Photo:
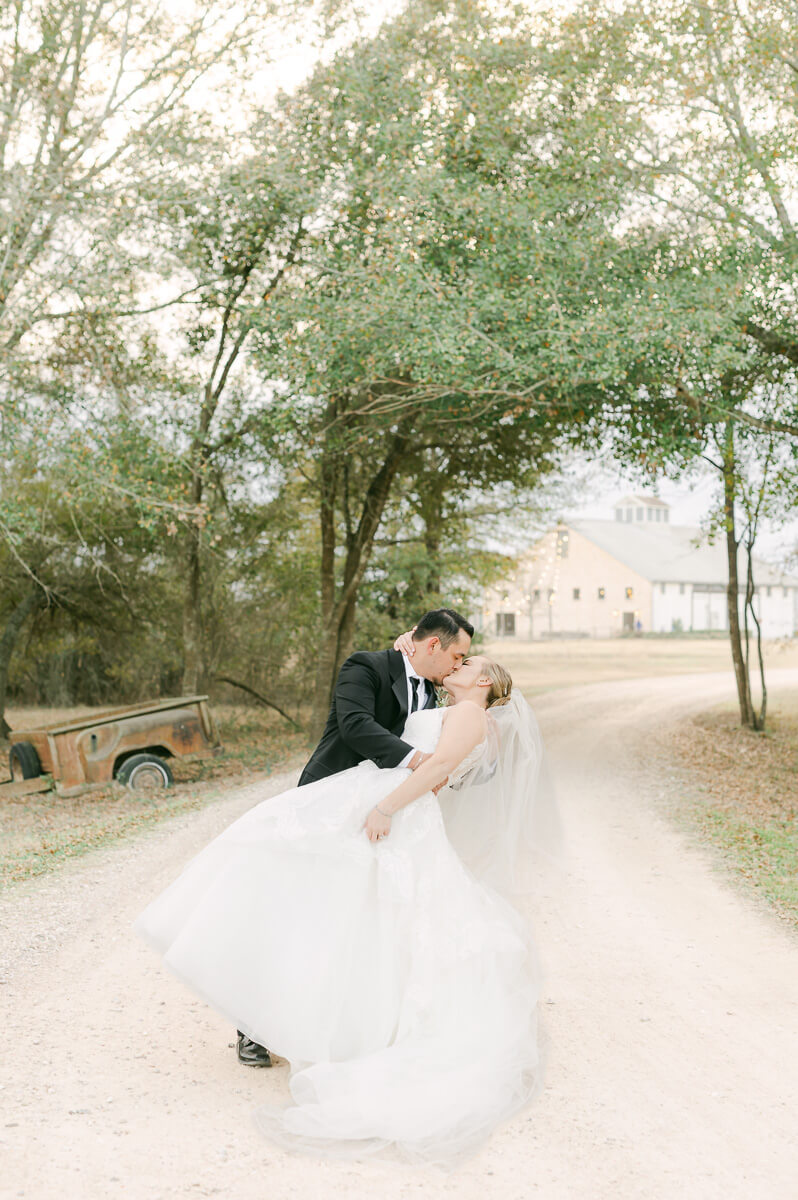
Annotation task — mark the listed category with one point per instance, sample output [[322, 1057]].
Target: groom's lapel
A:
[[396, 667], [432, 696]]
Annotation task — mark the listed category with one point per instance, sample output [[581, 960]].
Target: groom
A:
[[375, 692], [373, 695]]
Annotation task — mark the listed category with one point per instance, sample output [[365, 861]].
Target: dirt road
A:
[[671, 1011]]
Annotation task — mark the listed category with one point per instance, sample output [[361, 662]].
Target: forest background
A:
[[276, 378]]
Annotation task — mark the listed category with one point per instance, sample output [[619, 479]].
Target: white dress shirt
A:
[[422, 698]]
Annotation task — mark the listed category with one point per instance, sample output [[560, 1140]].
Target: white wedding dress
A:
[[401, 989]]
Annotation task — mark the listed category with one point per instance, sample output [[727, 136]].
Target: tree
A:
[[97, 118], [233, 236], [75, 542], [759, 474], [701, 101], [121, 200], [78, 144], [446, 264]]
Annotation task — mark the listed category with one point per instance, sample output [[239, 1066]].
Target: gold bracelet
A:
[[385, 814]]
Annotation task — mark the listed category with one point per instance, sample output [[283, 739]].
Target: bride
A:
[[355, 926]]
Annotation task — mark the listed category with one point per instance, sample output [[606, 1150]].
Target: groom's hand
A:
[[418, 758]]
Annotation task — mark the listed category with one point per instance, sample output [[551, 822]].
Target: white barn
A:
[[636, 573]]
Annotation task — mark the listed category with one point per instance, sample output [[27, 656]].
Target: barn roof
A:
[[640, 498], [665, 553]]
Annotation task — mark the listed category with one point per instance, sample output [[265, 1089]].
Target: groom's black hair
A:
[[443, 623]]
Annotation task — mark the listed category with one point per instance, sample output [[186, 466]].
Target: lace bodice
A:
[[423, 730]]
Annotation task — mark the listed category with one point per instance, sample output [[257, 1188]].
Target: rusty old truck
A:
[[132, 745]]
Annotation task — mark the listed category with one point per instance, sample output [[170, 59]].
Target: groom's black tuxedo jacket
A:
[[368, 712]]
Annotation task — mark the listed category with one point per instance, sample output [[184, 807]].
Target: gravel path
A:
[[671, 1010]]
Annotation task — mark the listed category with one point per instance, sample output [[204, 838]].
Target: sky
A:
[[690, 504]]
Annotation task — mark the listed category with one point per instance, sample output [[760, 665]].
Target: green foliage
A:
[[263, 387]]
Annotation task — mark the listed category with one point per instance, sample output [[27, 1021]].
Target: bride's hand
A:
[[405, 644], [377, 825]]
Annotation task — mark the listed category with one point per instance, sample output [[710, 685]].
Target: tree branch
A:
[[261, 699], [737, 414], [774, 343]]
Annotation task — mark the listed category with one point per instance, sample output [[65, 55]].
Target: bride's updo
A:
[[501, 684]]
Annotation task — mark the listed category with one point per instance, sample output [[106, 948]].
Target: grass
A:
[[541, 666], [40, 832], [744, 789], [766, 857]]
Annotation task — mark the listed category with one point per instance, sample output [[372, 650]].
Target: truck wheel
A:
[[145, 772], [24, 761]]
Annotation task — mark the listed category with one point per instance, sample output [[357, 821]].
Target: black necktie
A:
[[414, 683]]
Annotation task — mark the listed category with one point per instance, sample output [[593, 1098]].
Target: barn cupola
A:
[[641, 510]]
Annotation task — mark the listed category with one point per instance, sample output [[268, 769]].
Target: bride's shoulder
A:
[[466, 712]]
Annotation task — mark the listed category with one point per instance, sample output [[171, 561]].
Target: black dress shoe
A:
[[250, 1053]]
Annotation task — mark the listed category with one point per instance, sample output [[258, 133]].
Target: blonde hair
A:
[[501, 683]]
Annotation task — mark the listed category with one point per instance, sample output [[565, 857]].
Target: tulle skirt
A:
[[401, 990]]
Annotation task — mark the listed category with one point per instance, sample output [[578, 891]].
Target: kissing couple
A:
[[360, 926]]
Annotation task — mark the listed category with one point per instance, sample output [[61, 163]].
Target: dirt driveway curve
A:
[[671, 1009]]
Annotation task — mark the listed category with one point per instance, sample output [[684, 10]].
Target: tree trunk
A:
[[432, 516], [346, 632], [192, 620], [327, 653], [192, 617], [339, 617], [31, 601], [431, 491], [758, 718], [733, 586]]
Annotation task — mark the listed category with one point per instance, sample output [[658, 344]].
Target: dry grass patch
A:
[[568, 662], [746, 789], [39, 832]]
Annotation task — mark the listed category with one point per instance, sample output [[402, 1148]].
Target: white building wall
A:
[[671, 606], [539, 601], [708, 609], [777, 608], [592, 571], [698, 608], [542, 601]]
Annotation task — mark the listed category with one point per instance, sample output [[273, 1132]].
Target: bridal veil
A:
[[503, 815]]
